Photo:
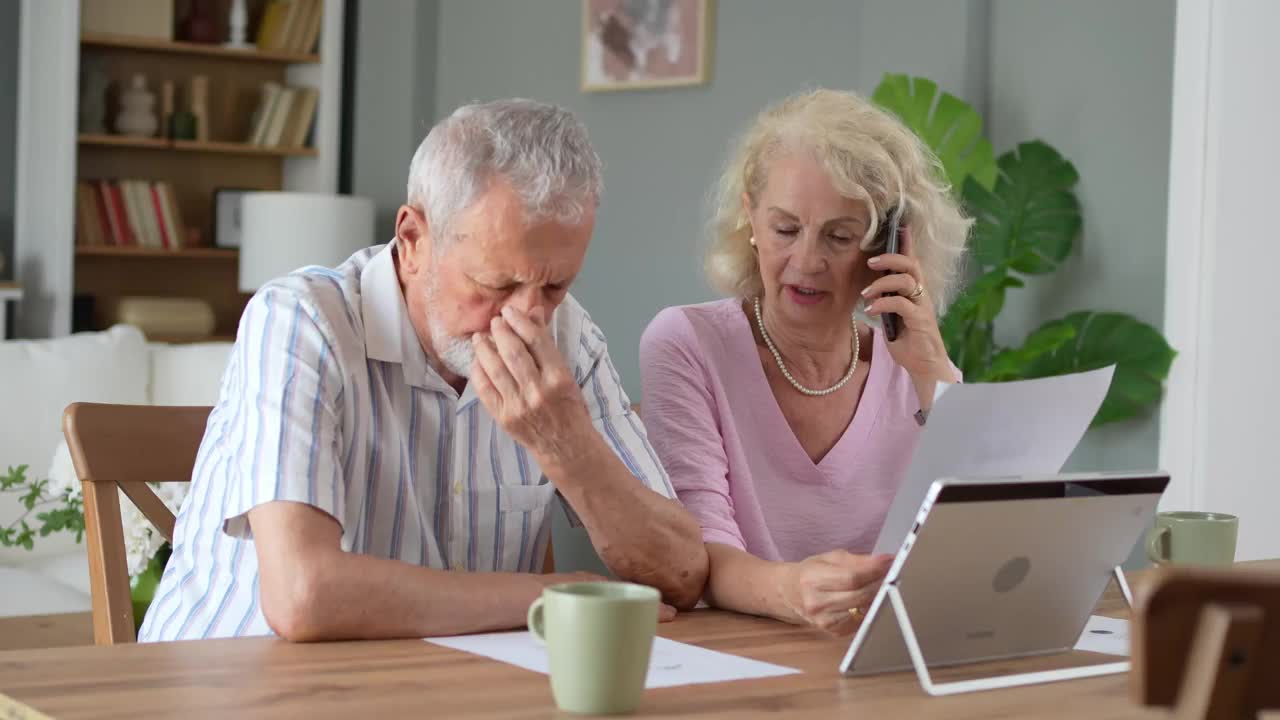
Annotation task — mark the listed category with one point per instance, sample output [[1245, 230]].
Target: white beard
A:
[[456, 354]]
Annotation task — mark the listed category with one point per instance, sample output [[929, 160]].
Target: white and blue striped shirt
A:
[[329, 400]]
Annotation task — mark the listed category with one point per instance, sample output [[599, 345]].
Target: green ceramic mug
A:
[[1193, 538], [598, 637]]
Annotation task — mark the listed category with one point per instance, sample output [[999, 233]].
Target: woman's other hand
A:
[[822, 590]]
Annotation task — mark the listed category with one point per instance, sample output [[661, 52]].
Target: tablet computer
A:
[[1004, 567]]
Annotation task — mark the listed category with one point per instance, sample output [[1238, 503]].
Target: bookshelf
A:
[[229, 254], [208, 146], [49, 204], [149, 45]]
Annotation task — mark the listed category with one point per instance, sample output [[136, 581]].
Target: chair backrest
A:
[[1206, 641], [126, 447]]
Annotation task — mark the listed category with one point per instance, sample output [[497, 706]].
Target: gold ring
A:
[[917, 292], [855, 611]]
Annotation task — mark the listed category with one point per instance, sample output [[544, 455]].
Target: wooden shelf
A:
[[242, 149], [151, 45], [203, 253], [124, 141], [210, 146]]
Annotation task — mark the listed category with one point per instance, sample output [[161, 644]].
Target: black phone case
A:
[[890, 232]]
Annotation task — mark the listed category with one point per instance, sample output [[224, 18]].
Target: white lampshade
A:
[[283, 231]]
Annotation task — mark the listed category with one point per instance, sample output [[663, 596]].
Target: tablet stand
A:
[[1004, 681]]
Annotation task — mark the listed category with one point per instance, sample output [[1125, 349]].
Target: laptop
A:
[[1003, 568]]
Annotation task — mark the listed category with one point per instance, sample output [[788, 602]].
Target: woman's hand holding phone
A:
[[917, 343]]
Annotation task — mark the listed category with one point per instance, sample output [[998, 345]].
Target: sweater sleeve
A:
[[680, 414]]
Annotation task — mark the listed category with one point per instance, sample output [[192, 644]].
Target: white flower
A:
[[141, 539]]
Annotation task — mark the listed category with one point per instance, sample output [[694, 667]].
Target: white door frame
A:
[[45, 172], [1189, 259]]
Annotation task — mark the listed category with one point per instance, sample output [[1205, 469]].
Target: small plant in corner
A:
[[54, 510]]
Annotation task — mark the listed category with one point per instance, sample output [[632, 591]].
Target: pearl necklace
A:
[[777, 357]]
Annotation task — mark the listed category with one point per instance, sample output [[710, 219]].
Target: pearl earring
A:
[[752, 241]]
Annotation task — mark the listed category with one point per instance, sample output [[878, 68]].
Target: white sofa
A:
[[38, 379]]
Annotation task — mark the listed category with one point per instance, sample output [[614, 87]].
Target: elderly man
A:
[[392, 434]]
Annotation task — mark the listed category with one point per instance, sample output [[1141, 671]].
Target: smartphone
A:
[[888, 240]]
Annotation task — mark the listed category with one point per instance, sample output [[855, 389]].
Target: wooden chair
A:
[[126, 447], [1206, 642]]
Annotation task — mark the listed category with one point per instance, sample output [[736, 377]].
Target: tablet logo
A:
[[1011, 574]]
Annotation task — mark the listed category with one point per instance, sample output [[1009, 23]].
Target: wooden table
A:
[[262, 677], [29, 632]]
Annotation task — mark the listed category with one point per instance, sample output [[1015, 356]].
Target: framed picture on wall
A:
[[635, 44]]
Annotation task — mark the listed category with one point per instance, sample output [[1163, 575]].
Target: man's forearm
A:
[[640, 535], [338, 595]]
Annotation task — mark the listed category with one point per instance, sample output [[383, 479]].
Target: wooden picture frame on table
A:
[[646, 44]]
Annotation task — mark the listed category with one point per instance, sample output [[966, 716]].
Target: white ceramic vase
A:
[[137, 110]]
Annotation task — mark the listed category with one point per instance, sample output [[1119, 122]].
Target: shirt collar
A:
[[388, 334]]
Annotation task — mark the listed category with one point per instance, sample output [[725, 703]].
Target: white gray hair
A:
[[870, 156], [541, 149]]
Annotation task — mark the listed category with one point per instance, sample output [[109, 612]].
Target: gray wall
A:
[[9, 12], [1093, 78], [394, 96]]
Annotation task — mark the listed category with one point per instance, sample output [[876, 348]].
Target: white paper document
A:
[[1027, 427], [1109, 636], [671, 663]]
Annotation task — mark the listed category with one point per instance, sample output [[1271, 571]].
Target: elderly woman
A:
[[786, 424]]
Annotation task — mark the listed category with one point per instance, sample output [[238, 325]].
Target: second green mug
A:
[[1193, 538]]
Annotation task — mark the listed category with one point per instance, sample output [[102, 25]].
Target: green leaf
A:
[[26, 537], [67, 513], [31, 496], [1013, 363], [951, 128], [1029, 221], [983, 299], [1140, 354], [67, 518], [954, 327], [969, 345], [971, 348], [14, 477]]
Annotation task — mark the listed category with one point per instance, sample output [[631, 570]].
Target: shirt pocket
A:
[[525, 498]]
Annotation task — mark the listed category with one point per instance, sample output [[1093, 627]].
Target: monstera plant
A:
[[1027, 219]]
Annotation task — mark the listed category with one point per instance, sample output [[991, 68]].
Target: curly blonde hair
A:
[[870, 156]]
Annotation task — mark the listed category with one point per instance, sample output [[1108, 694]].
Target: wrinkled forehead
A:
[[523, 251], [800, 185]]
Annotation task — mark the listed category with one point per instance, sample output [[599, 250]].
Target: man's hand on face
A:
[[527, 386]]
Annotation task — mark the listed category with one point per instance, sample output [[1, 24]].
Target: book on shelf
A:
[[278, 117], [298, 129], [267, 97], [290, 25], [128, 213], [284, 116]]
